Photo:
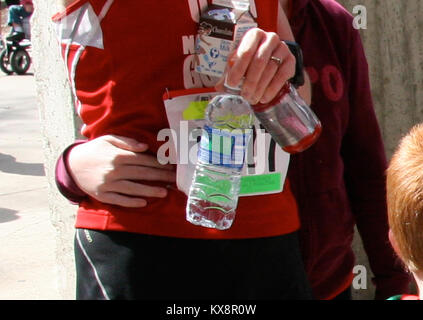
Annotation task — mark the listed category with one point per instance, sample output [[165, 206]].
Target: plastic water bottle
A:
[[213, 196], [289, 120]]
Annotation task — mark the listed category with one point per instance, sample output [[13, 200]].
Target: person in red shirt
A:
[[132, 239], [338, 183]]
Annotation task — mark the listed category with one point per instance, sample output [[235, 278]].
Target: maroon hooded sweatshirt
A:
[[340, 181]]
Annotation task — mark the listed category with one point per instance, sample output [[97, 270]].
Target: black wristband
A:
[[298, 79]]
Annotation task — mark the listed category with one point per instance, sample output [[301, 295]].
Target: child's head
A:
[[405, 199]]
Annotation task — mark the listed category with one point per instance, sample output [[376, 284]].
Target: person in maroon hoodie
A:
[[340, 181]]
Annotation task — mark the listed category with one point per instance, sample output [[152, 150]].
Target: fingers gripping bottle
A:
[[289, 120], [213, 196]]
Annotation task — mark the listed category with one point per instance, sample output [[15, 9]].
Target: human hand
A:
[[251, 61], [108, 169]]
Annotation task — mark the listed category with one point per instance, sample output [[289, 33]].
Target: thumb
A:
[[126, 143]]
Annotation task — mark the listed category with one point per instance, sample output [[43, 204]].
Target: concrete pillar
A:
[[59, 130], [395, 55]]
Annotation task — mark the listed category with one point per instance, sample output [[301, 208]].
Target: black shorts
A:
[[120, 265]]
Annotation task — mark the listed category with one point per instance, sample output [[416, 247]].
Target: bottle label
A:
[[223, 147]]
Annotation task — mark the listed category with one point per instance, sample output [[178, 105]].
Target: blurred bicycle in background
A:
[[14, 56], [16, 47]]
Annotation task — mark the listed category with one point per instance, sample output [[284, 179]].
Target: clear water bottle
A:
[[289, 120], [213, 195]]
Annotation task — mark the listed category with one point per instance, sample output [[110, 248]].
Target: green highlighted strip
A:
[[261, 183]]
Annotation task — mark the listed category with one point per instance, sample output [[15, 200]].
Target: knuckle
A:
[[121, 158], [285, 46], [117, 158], [286, 50], [273, 37], [254, 31], [261, 60], [101, 189], [246, 53], [290, 57], [110, 172]]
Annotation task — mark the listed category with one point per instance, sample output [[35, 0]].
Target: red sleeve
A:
[[64, 181], [365, 167]]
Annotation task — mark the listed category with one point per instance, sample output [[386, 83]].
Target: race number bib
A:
[[266, 164]]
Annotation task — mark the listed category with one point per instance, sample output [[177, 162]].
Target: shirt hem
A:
[[342, 288], [182, 229]]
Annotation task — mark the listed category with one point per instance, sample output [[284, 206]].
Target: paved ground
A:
[[27, 244]]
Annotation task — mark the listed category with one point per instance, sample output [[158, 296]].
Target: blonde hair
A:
[[405, 198]]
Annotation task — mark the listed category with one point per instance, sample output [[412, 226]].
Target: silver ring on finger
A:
[[277, 60]]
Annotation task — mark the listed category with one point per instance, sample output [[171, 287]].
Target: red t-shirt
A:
[[119, 70]]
